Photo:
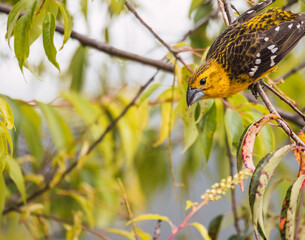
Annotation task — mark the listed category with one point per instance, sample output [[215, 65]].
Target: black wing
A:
[[258, 52], [251, 12]]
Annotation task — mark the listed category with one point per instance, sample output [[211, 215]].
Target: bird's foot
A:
[[252, 88]]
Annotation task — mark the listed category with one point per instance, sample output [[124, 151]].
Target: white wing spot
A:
[[250, 11], [260, 3], [266, 39], [273, 57], [290, 26], [274, 50], [277, 28], [254, 68], [258, 54], [271, 47], [302, 22], [272, 64], [251, 74], [258, 61], [298, 26]]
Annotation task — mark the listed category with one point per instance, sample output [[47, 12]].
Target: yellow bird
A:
[[245, 51]]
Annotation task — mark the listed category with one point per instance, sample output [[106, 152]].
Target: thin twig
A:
[[228, 10], [157, 230], [284, 99], [128, 208], [62, 221], [258, 88], [292, 71], [233, 196], [169, 48], [199, 24], [104, 47]]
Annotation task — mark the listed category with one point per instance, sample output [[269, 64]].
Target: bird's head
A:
[[209, 81]]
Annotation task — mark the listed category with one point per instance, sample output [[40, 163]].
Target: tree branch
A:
[[103, 47], [169, 48], [258, 88], [285, 100]]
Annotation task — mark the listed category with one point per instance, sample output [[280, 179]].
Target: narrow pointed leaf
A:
[[245, 147], [234, 126], [259, 182], [13, 17], [16, 175], [48, 30], [287, 222], [202, 230], [22, 41], [214, 226], [67, 22]]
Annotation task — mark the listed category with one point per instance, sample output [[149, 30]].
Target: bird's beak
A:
[[193, 95]]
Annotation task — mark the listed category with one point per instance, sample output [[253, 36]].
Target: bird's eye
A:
[[202, 81]]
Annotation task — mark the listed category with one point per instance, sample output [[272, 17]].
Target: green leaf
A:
[[214, 226], [287, 223], [234, 127], [3, 149], [48, 30], [13, 17], [151, 217], [207, 128], [84, 7], [151, 89], [2, 195], [259, 181], [15, 174], [30, 9], [202, 230], [86, 206], [67, 22], [22, 40], [77, 68], [6, 113], [59, 129], [125, 234], [31, 128]]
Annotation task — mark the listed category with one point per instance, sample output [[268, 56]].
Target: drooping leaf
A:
[[86, 206], [22, 40], [214, 226], [59, 129], [202, 230], [287, 222], [6, 114], [151, 89], [67, 22], [13, 17], [48, 30], [125, 234], [245, 146], [3, 149], [207, 128], [259, 182], [31, 128], [234, 126], [16, 175], [151, 217], [2, 195], [77, 69]]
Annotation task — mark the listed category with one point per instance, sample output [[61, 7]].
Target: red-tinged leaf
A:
[[258, 185], [287, 221], [245, 147]]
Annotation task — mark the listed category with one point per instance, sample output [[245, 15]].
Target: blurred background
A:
[[92, 88]]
